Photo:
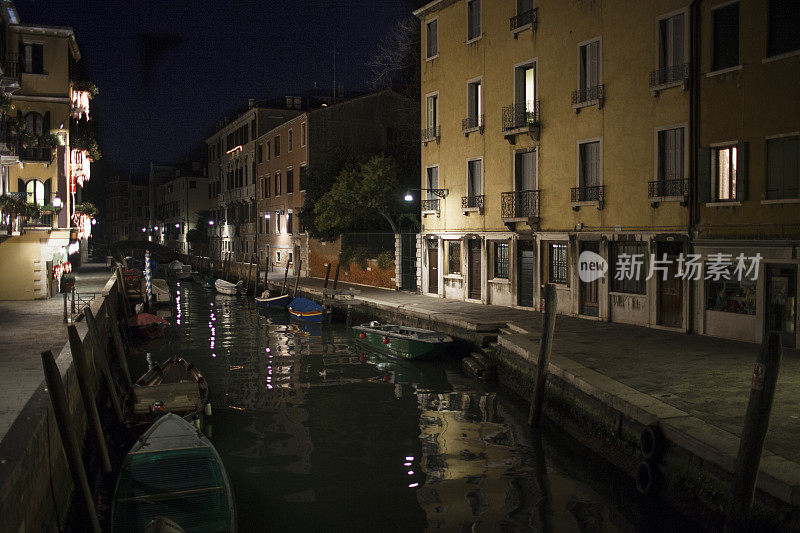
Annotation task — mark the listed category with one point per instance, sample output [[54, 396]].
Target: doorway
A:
[[782, 302], [670, 291], [590, 292], [474, 262], [433, 266], [526, 266]]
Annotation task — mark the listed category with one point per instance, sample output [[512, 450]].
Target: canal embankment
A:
[[609, 384], [35, 483]]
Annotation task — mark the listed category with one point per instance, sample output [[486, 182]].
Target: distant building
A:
[[178, 201], [116, 212]]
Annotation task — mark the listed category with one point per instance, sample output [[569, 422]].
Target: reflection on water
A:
[[317, 434]]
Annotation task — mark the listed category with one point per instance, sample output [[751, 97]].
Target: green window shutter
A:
[[791, 168], [47, 190], [46, 124], [742, 163], [703, 174], [774, 169]]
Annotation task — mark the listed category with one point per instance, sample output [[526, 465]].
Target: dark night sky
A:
[[167, 70]]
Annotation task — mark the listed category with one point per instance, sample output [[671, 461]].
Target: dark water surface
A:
[[318, 435]]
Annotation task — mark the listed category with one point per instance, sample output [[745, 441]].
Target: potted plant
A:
[[67, 282]]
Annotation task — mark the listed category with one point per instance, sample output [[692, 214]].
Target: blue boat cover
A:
[[304, 306]]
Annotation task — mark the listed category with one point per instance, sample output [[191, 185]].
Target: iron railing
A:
[[472, 123], [11, 66], [430, 205], [523, 19], [472, 202], [595, 193], [671, 187], [671, 74], [39, 153], [521, 115], [596, 93], [430, 134], [520, 204]]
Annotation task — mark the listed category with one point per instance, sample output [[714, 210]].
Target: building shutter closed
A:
[[703, 175], [741, 171]]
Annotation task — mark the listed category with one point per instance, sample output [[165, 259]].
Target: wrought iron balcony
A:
[[430, 134], [472, 123], [11, 67], [40, 154], [667, 75], [520, 204], [523, 19], [430, 205], [668, 188], [521, 116], [472, 202], [586, 195], [589, 96]]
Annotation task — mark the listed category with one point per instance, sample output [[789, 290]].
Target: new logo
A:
[[591, 266]]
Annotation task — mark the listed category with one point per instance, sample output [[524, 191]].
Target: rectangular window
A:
[[32, 58], [289, 223], [671, 51], [724, 163], [523, 6], [454, 257], [725, 39], [303, 133], [631, 253], [474, 177], [558, 262], [432, 111], [473, 19], [303, 177], [431, 182], [732, 295], [525, 171], [782, 167], [432, 38], [589, 164], [277, 222], [289, 181], [277, 145], [671, 154], [267, 187], [589, 65], [525, 86], [267, 150], [277, 184], [260, 152], [474, 104], [290, 140], [784, 21], [192, 184], [501, 260]]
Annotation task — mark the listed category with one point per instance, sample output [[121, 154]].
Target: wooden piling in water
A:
[[545, 346], [55, 387], [336, 277], [249, 275], [297, 278], [119, 346], [285, 275], [85, 385], [756, 423], [327, 275], [100, 359]]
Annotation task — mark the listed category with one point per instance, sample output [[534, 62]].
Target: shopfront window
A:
[[732, 296]]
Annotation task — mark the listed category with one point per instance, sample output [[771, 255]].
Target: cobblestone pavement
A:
[[28, 328]]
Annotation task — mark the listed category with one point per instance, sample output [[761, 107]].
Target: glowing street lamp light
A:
[[408, 198], [177, 225], [210, 222]]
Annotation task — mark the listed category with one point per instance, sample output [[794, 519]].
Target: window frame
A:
[[479, 101], [480, 21], [277, 146], [657, 149], [524, 65], [500, 263], [470, 160], [578, 145], [781, 137], [553, 267], [429, 57], [289, 180], [438, 106], [770, 54], [450, 257], [519, 152], [303, 134], [622, 286], [712, 51], [428, 194], [715, 149], [599, 41], [289, 140], [665, 16]]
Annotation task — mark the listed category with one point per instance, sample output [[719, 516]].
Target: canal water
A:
[[318, 434]]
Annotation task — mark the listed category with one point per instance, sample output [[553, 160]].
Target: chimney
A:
[[251, 103]]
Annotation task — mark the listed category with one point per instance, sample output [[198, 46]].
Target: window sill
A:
[[453, 276], [587, 103], [723, 71], [778, 57], [519, 30], [660, 199], [781, 201], [468, 210], [431, 58], [723, 204], [500, 281], [431, 212], [467, 131], [474, 40], [656, 89], [632, 294], [577, 205]]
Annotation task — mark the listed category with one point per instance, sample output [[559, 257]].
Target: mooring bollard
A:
[[285, 276], [249, 274], [756, 423], [327, 275], [85, 384], [100, 359], [336, 277], [297, 278], [548, 328], [55, 387]]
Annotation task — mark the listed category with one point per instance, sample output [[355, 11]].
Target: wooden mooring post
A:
[[55, 387], [756, 423], [101, 360], [285, 276], [85, 384], [336, 277], [327, 275], [250, 275], [545, 346], [297, 278]]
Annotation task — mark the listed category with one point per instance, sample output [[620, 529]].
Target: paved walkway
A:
[[706, 377], [28, 328]]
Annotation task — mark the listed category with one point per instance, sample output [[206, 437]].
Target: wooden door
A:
[[590, 292], [433, 267], [526, 261], [670, 291], [474, 260]]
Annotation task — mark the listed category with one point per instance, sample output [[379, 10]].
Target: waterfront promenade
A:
[[27, 328]]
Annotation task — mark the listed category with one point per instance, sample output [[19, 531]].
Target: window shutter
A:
[[46, 123], [741, 171], [21, 185], [775, 176], [47, 191], [703, 175], [790, 167], [677, 40]]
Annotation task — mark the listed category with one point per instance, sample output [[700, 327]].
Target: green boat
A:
[[402, 342], [173, 471]]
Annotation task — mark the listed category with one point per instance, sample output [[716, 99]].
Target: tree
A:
[[198, 236]]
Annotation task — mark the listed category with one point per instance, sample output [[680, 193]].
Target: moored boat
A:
[[401, 341], [226, 287], [147, 326], [209, 282], [305, 309], [273, 302], [173, 471], [160, 291]]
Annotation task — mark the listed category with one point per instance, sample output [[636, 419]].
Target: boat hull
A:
[[225, 287], [276, 302], [398, 347], [306, 310]]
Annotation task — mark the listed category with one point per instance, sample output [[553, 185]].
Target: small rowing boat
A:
[[306, 309], [226, 287], [174, 471], [401, 341], [273, 302], [147, 326]]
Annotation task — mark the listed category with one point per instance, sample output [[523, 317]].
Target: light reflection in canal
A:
[[317, 434]]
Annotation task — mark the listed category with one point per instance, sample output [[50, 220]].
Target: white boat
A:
[[226, 287], [173, 470], [160, 291], [179, 270]]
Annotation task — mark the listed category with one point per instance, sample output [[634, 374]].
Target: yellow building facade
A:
[[548, 130]]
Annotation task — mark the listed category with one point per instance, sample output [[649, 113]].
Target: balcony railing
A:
[[41, 154], [595, 193], [523, 19], [430, 134], [11, 66], [430, 205], [520, 204], [589, 96], [666, 75], [472, 123], [523, 115], [667, 188], [472, 202]]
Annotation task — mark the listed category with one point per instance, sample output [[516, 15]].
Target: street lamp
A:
[[210, 222], [441, 193]]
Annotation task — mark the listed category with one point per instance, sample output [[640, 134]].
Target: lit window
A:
[[724, 170]]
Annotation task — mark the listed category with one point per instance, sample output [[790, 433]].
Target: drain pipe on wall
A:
[[694, 143]]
